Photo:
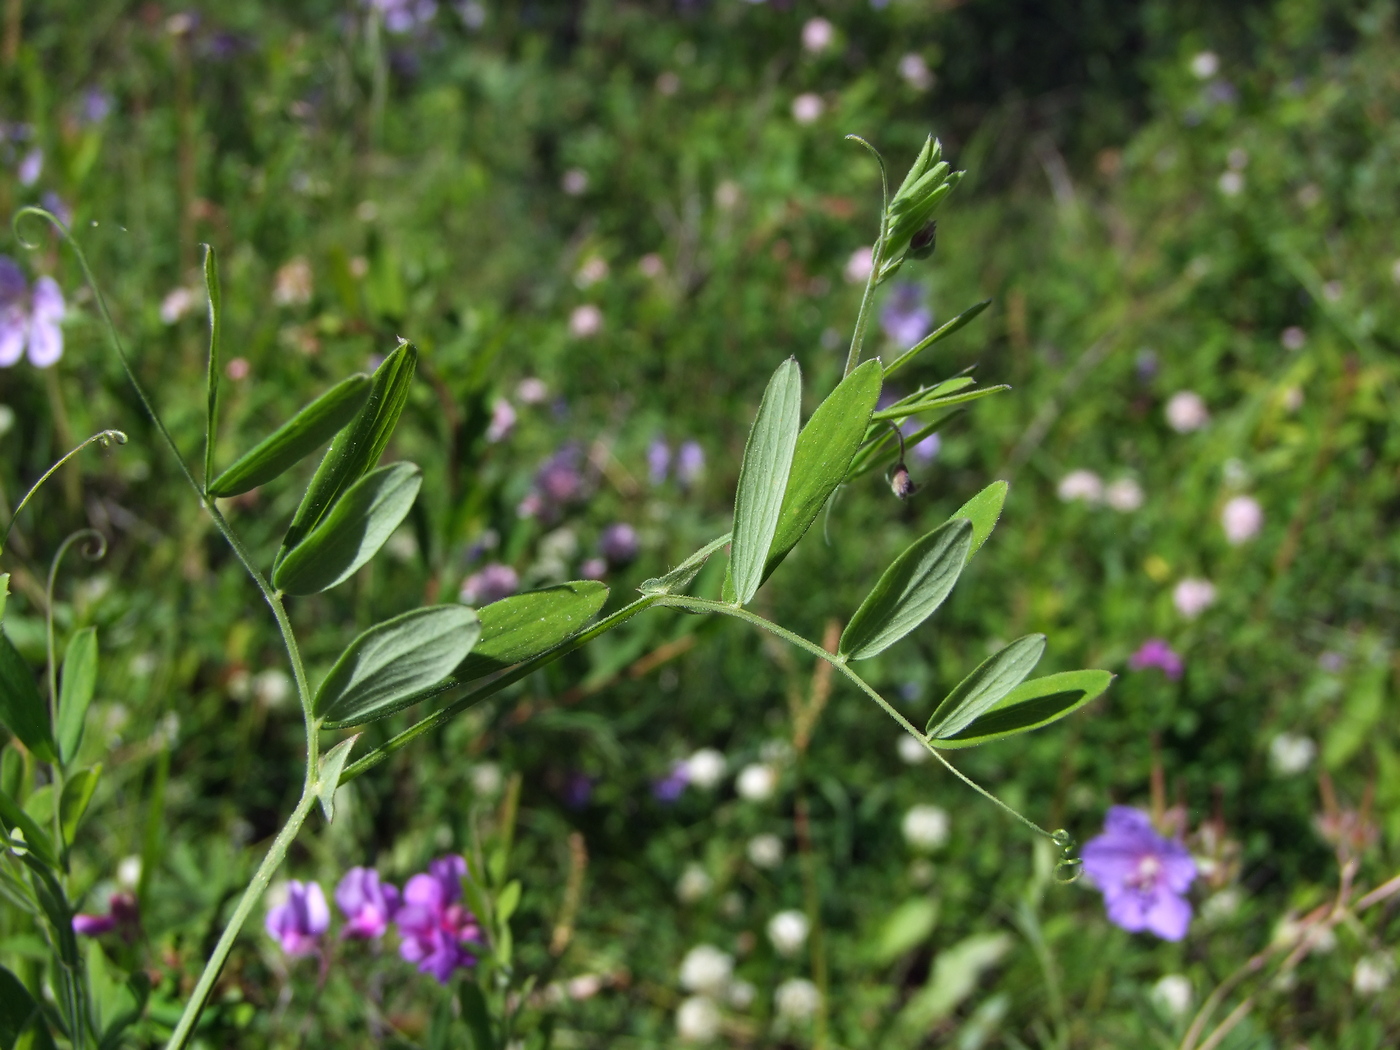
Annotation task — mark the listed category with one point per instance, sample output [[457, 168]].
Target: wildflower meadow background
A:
[[603, 225]]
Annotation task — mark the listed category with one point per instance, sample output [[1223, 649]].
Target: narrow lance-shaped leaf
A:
[[1031, 705], [392, 661], [13, 816], [823, 455], [211, 418], [679, 578], [77, 793], [763, 478], [520, 627], [909, 591], [936, 336], [295, 439], [75, 690], [989, 683], [358, 447], [21, 1018], [21, 707], [360, 523], [984, 511]]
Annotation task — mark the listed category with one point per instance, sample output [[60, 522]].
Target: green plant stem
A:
[[276, 853], [101, 438], [704, 605], [876, 261]]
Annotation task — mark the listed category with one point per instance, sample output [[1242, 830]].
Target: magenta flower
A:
[[368, 903], [121, 915], [26, 319], [434, 928], [299, 922], [1156, 653], [1143, 876]]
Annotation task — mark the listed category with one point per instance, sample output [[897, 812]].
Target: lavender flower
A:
[[558, 481], [436, 929], [121, 915], [593, 569], [31, 167], [690, 463], [368, 903], [402, 16], [97, 104], [658, 461], [1156, 653], [1143, 876], [618, 543], [26, 319], [502, 421], [673, 784], [904, 318], [578, 790], [52, 202], [298, 923], [494, 582]]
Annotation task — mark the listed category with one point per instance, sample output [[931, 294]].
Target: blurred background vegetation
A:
[[644, 207]]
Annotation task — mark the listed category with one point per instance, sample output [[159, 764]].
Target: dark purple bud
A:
[[921, 245]]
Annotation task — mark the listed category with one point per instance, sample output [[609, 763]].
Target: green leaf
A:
[[476, 1015], [914, 408], [295, 439], [35, 837], [984, 511], [507, 902], [211, 418], [352, 533], [520, 627], [909, 591], [4, 592], [679, 578], [328, 775], [983, 688], [936, 336], [1031, 705], [21, 707], [358, 447], [823, 455], [21, 1018], [904, 929], [75, 691], [392, 661], [763, 478], [77, 793]]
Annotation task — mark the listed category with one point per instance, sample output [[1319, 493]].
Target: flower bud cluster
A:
[[910, 226]]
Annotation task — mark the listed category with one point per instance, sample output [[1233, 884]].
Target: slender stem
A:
[[275, 855], [704, 605], [101, 438], [877, 259]]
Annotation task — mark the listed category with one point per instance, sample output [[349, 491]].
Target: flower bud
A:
[[900, 482]]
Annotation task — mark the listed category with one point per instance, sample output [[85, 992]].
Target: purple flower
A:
[[1156, 653], [299, 922], [52, 202], [618, 543], [401, 16], [494, 582], [593, 569], [1142, 875], [121, 915], [97, 104], [27, 319], [31, 167], [673, 784], [368, 903], [904, 318], [435, 928], [658, 461], [502, 420], [690, 463], [578, 790]]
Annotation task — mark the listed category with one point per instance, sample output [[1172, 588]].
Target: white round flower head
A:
[[584, 986], [925, 827], [129, 872], [272, 687], [1172, 994], [1186, 411], [741, 995], [1231, 183], [651, 265], [486, 779], [858, 266], [1293, 338], [1205, 64], [1124, 495], [1332, 291], [706, 969], [911, 752], [1373, 974], [728, 194], [1241, 518], [574, 182], [807, 108], [757, 782], [817, 35], [1193, 596], [532, 391], [914, 71], [698, 1020], [705, 768], [788, 931], [1080, 486], [797, 999], [594, 269], [585, 321], [765, 851], [694, 884], [1291, 753]]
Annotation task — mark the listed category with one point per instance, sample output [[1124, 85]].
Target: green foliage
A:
[[523, 626], [77, 685]]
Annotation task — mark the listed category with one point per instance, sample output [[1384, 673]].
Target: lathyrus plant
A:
[[458, 657]]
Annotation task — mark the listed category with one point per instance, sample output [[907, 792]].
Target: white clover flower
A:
[[765, 851], [272, 687], [859, 265], [1080, 486], [1291, 753], [1186, 411], [585, 321], [1241, 518], [1172, 994], [1193, 596], [705, 768], [911, 752], [788, 931], [925, 827], [914, 71], [698, 1020], [574, 182], [757, 782], [531, 391], [694, 884], [486, 779], [706, 969], [1293, 338], [584, 986], [1124, 495], [1205, 64], [129, 872], [1231, 183], [807, 108], [741, 995], [817, 35], [176, 304], [797, 999], [1373, 974]]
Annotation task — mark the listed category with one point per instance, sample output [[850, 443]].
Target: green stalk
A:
[[877, 258]]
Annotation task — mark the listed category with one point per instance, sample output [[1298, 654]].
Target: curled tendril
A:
[[105, 438], [1069, 867]]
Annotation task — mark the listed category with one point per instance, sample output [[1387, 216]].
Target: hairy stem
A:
[[877, 258]]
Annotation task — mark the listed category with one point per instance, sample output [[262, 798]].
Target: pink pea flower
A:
[[1143, 876], [434, 928], [299, 922], [121, 915], [368, 903], [27, 319], [1156, 653]]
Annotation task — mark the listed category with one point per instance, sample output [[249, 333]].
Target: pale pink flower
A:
[[1241, 518], [1080, 486], [817, 35], [585, 321], [858, 266], [1192, 596], [807, 108], [1186, 411]]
